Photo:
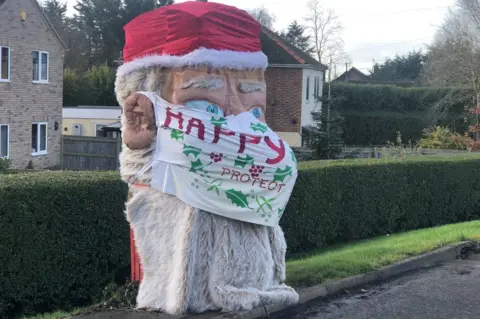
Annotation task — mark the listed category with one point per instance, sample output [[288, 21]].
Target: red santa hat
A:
[[193, 34]]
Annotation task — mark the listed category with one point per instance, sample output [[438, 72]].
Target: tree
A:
[[56, 14], [295, 35], [326, 30], [408, 67], [328, 134], [263, 16], [454, 56], [102, 25]]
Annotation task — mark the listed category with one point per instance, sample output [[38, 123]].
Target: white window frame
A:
[[307, 90], [44, 152], [9, 63], [40, 66], [316, 84], [8, 140]]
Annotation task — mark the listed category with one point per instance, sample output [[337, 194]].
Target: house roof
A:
[[280, 51], [55, 33], [352, 70]]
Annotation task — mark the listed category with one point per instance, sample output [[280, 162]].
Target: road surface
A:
[[450, 291]]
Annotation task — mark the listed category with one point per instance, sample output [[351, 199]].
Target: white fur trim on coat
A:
[[214, 58]]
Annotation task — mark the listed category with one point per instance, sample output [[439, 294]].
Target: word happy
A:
[[243, 139]]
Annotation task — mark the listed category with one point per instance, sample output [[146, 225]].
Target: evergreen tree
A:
[[102, 23], [328, 134], [408, 67], [295, 35], [56, 14]]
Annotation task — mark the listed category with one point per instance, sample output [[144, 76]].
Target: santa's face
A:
[[221, 92]]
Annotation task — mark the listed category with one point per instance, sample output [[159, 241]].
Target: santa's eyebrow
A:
[[208, 82], [249, 87]]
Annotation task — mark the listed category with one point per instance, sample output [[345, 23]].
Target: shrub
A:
[[63, 238], [438, 137], [4, 164], [340, 201]]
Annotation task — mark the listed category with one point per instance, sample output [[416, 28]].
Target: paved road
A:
[[450, 291]]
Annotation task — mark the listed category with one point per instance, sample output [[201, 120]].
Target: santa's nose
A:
[[233, 105]]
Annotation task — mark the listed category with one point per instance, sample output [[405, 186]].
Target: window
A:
[[40, 66], [316, 88], [308, 89], [4, 64], [39, 138], [4, 141], [99, 132]]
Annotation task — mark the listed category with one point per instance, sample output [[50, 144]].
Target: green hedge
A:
[[63, 237], [374, 113], [341, 201]]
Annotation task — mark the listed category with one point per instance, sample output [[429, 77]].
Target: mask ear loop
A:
[[142, 170]]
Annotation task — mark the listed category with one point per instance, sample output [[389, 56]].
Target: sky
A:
[[373, 29]]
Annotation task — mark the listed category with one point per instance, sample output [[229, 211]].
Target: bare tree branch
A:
[[263, 16], [326, 30]]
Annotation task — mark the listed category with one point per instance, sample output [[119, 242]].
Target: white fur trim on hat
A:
[[213, 58]]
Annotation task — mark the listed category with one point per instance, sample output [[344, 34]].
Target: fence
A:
[[382, 151], [90, 153]]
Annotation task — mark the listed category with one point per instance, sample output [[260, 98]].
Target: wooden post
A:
[[61, 151], [136, 271], [119, 149]]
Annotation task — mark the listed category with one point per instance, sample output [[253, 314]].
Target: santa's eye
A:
[[206, 106], [257, 111]]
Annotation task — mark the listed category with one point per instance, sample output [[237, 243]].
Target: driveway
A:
[[450, 291]]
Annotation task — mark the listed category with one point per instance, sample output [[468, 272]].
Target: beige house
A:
[[31, 86], [91, 120]]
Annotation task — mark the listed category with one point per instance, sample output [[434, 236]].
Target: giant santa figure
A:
[[208, 179]]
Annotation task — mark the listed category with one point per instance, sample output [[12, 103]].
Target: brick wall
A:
[[284, 99], [23, 102]]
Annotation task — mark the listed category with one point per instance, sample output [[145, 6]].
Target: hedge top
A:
[[312, 165]]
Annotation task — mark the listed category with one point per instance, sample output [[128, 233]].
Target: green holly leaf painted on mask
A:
[[237, 198], [280, 212], [197, 166], [258, 127], [280, 174], [187, 150], [176, 135], [242, 161], [293, 157], [218, 121]]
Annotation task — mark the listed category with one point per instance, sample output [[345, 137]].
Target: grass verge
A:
[[368, 255], [336, 262]]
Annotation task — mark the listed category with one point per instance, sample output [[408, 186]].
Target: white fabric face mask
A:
[[233, 166]]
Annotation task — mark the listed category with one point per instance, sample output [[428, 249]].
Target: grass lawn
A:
[[368, 255], [359, 257]]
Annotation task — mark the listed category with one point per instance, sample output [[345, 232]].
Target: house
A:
[[294, 79], [92, 121], [353, 75], [31, 86]]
